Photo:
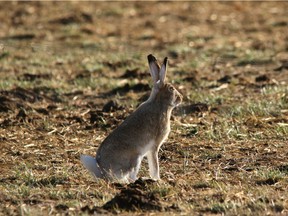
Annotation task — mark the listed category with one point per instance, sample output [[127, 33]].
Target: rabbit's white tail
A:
[[90, 163]]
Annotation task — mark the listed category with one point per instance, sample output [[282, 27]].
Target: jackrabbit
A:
[[141, 134]]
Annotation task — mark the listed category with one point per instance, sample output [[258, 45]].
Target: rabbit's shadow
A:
[[132, 197]]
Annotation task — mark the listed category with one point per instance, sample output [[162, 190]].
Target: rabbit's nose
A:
[[179, 99]]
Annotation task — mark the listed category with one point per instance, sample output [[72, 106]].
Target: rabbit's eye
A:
[[171, 89]]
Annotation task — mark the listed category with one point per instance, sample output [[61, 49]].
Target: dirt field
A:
[[71, 72]]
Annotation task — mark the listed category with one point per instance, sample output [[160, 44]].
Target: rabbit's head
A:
[[168, 96], [162, 92]]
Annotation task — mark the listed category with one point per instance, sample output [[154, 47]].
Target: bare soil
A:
[[70, 72]]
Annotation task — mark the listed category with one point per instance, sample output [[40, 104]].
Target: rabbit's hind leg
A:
[[135, 169], [117, 176], [126, 171]]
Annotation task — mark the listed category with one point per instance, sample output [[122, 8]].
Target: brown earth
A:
[[70, 72]]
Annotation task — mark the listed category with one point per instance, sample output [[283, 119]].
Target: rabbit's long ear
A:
[[154, 67], [163, 70]]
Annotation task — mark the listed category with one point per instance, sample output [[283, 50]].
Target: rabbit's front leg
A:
[[153, 163]]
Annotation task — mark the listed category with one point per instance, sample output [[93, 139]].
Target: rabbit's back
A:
[[138, 129]]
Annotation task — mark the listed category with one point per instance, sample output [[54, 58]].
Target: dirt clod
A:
[[225, 79], [32, 77], [134, 73], [139, 87], [134, 197], [193, 108], [262, 78], [111, 106], [71, 71], [21, 114]]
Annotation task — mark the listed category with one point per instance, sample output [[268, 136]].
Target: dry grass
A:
[[61, 64]]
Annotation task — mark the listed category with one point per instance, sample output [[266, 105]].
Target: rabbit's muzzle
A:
[[178, 98]]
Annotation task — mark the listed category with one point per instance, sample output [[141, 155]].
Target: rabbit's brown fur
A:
[[141, 134]]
